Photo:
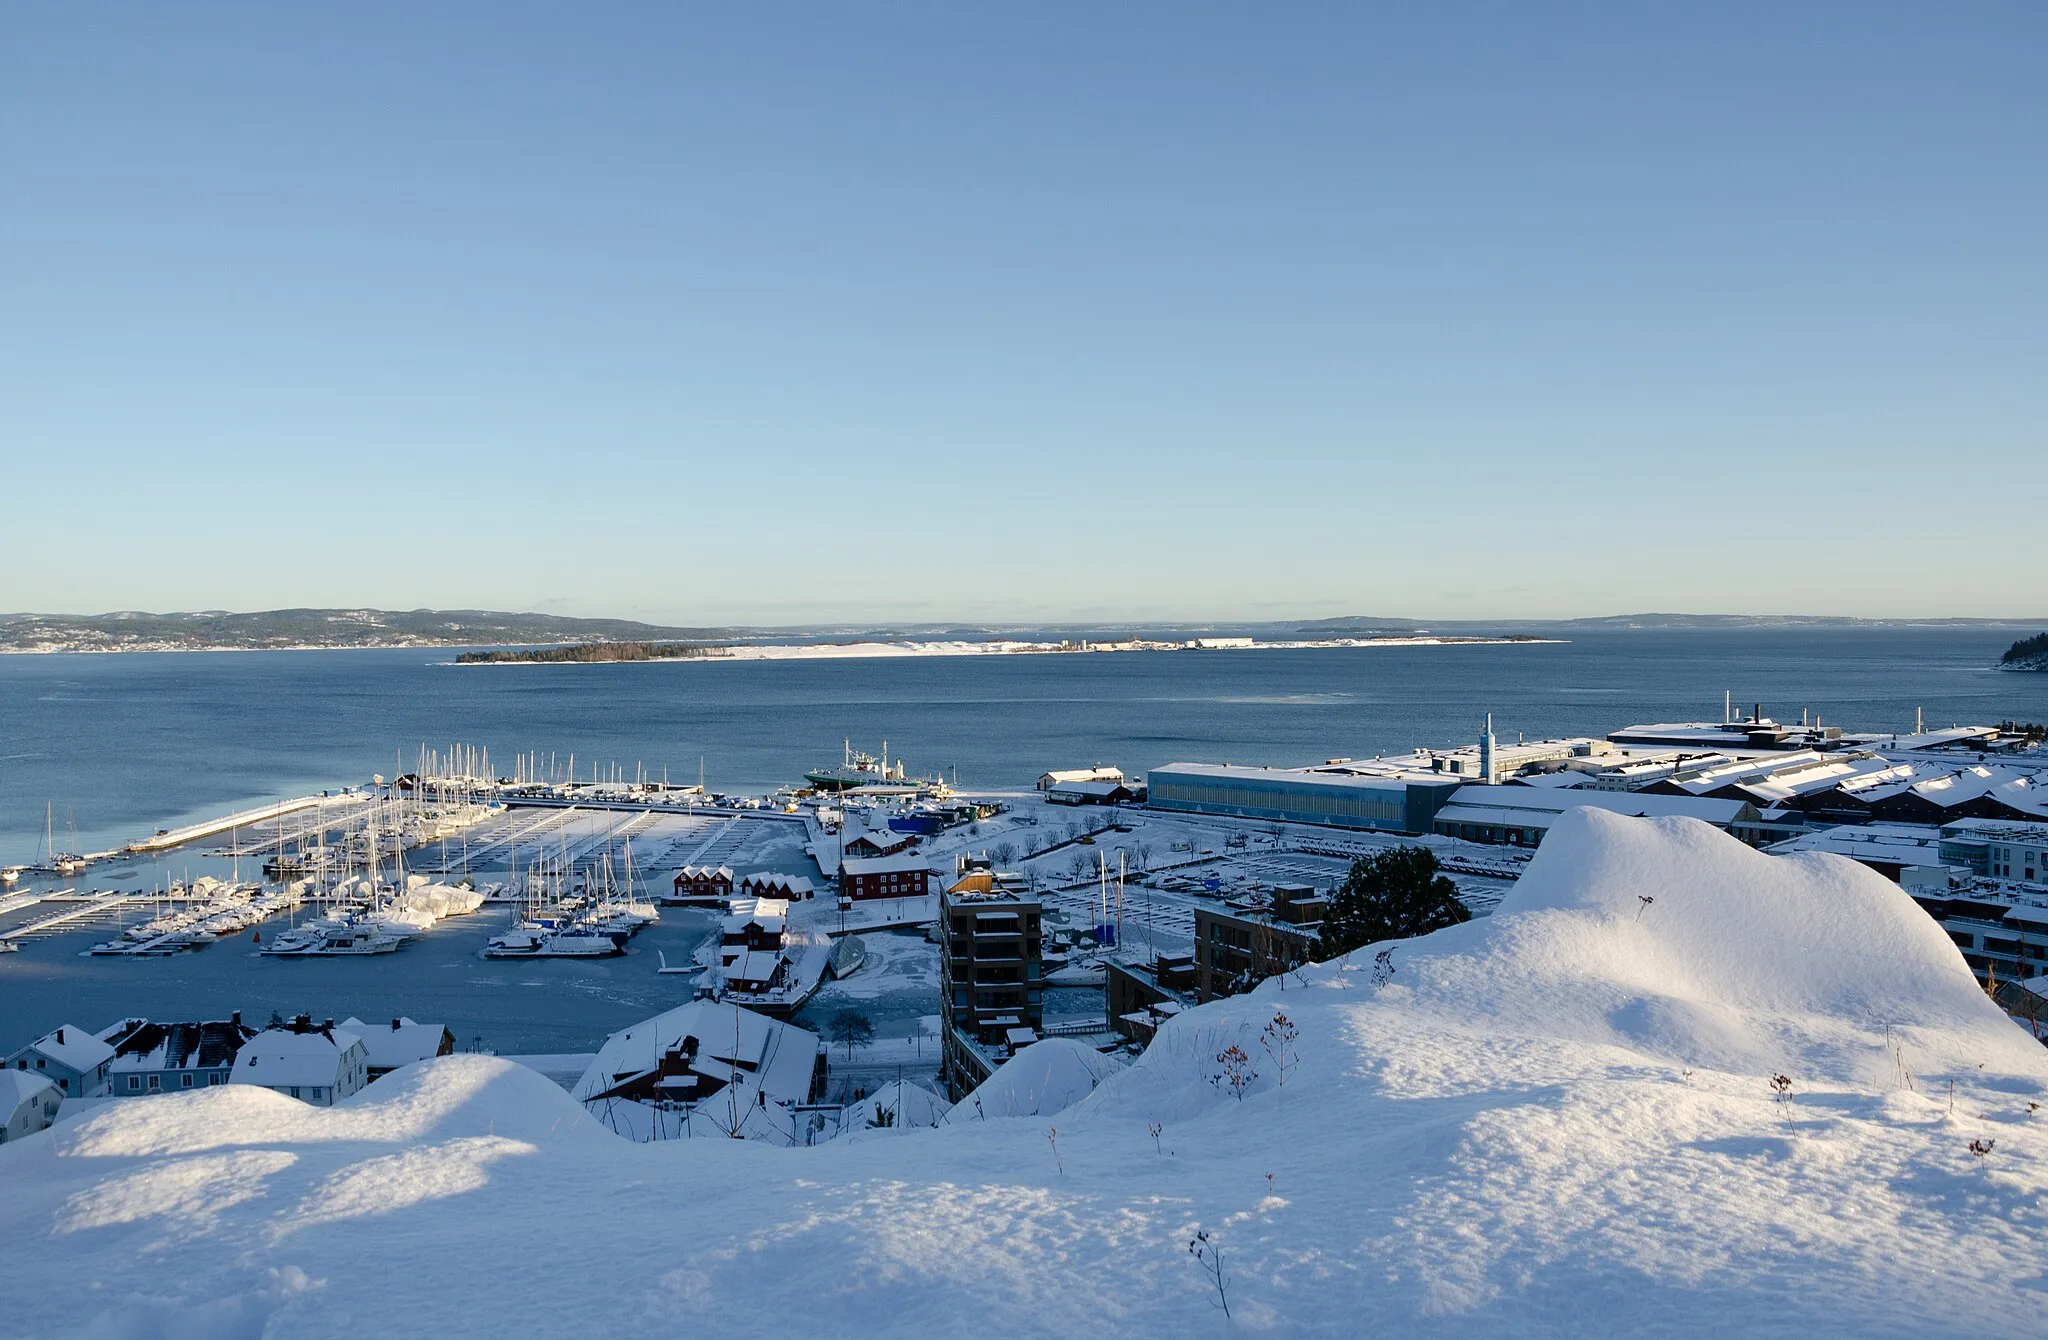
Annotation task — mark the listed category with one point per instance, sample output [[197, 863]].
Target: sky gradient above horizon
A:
[[769, 315]]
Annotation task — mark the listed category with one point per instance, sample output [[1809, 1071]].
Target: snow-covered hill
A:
[[1560, 1120]]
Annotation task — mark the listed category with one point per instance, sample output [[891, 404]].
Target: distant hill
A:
[[132, 630]]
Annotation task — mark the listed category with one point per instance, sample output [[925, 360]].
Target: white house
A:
[[400, 1044], [319, 1065], [69, 1057], [28, 1103]]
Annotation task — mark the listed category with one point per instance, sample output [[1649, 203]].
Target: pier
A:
[[267, 814], [82, 906]]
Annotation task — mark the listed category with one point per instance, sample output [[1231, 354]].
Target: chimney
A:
[[236, 1018], [1486, 752], [1756, 713], [394, 1025], [60, 1037], [327, 1027]]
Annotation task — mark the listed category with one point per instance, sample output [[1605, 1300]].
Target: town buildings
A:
[[390, 1047], [28, 1103], [991, 977], [701, 886], [1237, 947], [318, 1064], [72, 1058], [697, 1051], [171, 1057], [906, 875], [1141, 995]]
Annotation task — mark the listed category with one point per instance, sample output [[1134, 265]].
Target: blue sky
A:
[[774, 314]]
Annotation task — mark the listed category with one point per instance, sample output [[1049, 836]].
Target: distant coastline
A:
[[373, 629], [606, 654]]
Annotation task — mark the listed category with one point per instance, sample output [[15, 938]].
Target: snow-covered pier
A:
[[167, 838]]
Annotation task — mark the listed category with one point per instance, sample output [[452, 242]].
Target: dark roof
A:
[[185, 1046]]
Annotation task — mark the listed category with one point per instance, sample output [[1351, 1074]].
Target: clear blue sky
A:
[[1052, 311]]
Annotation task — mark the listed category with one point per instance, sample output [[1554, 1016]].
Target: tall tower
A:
[[1486, 753]]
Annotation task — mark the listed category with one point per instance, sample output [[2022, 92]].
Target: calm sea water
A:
[[120, 745]]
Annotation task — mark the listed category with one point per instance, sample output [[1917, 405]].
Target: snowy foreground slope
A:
[[1555, 1121]]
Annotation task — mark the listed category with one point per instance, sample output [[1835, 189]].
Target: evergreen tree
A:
[[1390, 895]]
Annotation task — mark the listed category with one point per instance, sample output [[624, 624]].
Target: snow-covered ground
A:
[[1562, 1119]]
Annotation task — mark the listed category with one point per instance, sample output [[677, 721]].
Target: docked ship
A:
[[857, 769]]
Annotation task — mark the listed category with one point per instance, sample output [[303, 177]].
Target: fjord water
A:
[[123, 744], [129, 743]]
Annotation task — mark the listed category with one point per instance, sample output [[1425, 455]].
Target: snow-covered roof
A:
[[18, 1087], [882, 839], [75, 1048], [884, 865], [756, 965], [727, 1038], [398, 1042], [144, 1046], [1903, 844], [1527, 805], [1100, 790], [283, 1056], [773, 882], [1063, 776]]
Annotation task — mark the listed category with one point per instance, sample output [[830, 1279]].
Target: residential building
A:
[[70, 1057], [387, 1049], [1241, 945], [696, 1051], [172, 1058], [320, 1064], [991, 978], [1140, 996], [877, 842], [908, 875], [28, 1103]]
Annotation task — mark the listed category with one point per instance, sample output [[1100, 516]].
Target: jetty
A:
[[167, 838]]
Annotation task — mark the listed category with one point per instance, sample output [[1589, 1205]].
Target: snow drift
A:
[[1049, 1076], [1673, 1085]]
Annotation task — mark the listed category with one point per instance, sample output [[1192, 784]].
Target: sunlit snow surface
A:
[[1557, 1120]]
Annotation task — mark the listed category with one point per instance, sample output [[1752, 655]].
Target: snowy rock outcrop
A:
[[1672, 1086]]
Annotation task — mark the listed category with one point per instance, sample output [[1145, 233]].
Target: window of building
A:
[[134, 1083], [185, 1081], [155, 1083]]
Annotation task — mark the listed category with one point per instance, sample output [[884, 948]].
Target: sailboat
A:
[[54, 861]]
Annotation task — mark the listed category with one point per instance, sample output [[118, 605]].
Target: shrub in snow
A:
[[1208, 1254], [1390, 895], [1277, 1038], [1234, 1071]]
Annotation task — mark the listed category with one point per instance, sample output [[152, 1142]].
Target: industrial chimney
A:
[[1486, 753]]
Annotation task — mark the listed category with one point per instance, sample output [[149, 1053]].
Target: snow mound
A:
[[908, 1107], [1049, 1076], [1672, 1087]]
